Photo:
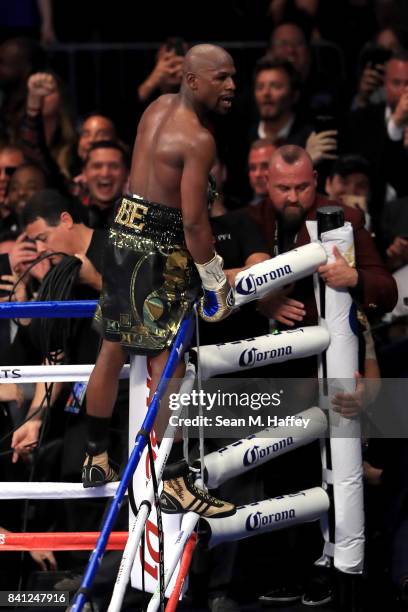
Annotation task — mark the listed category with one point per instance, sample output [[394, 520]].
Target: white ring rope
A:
[[50, 373], [54, 490]]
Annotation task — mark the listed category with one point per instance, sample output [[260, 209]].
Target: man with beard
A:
[[293, 201], [276, 93], [282, 217]]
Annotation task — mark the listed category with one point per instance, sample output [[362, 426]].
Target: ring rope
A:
[[85, 540]]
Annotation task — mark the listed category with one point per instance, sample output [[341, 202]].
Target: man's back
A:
[[165, 132]]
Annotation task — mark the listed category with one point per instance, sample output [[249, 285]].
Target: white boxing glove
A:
[[218, 299]]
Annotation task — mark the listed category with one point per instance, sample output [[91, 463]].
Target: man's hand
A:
[[400, 114], [397, 252], [322, 146], [338, 274], [7, 282], [351, 404], [372, 79], [25, 439], [282, 308], [40, 85], [45, 559], [88, 274], [22, 253], [169, 65]]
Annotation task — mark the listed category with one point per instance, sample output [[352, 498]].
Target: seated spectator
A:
[[350, 183], [105, 174], [320, 90], [10, 159], [276, 92], [258, 167], [389, 41], [95, 127], [26, 180], [378, 133]]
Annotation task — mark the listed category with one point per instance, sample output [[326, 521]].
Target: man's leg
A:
[[100, 399], [180, 494]]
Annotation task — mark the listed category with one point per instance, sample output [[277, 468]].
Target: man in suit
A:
[[379, 132], [282, 216]]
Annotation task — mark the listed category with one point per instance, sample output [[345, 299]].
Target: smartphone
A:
[[375, 56], [323, 123], [177, 45]]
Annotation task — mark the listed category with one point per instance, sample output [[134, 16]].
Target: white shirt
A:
[[283, 132]]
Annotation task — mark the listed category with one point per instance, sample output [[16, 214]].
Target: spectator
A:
[[26, 180], [377, 132], [321, 89], [276, 92], [105, 174], [10, 159], [167, 73], [19, 57], [350, 183], [94, 128], [388, 41], [258, 167], [48, 128]]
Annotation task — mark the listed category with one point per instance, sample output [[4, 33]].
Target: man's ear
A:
[[191, 80], [66, 220]]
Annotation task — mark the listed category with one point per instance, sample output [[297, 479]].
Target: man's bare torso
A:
[[165, 133]]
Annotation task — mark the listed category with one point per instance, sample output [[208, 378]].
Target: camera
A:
[[323, 123], [177, 45], [374, 56]]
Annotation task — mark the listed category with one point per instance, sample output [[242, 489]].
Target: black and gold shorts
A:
[[149, 278]]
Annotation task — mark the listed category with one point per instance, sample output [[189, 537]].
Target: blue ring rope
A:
[[51, 310]]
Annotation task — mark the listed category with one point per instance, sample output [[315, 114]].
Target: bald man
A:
[[292, 202], [160, 248], [282, 217]]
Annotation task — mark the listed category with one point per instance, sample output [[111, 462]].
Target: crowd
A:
[[318, 124]]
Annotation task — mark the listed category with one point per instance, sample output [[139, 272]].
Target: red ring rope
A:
[[84, 540]]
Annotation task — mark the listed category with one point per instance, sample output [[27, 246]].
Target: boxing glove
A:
[[218, 299]]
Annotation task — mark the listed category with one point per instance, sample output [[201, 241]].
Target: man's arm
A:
[[376, 289], [198, 162], [253, 259], [217, 300], [25, 438]]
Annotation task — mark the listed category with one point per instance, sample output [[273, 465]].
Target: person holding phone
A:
[[167, 73], [371, 80], [377, 133]]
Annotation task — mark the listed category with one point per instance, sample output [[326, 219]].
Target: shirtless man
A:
[[153, 256]]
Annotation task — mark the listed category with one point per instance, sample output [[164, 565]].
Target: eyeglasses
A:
[[8, 170]]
